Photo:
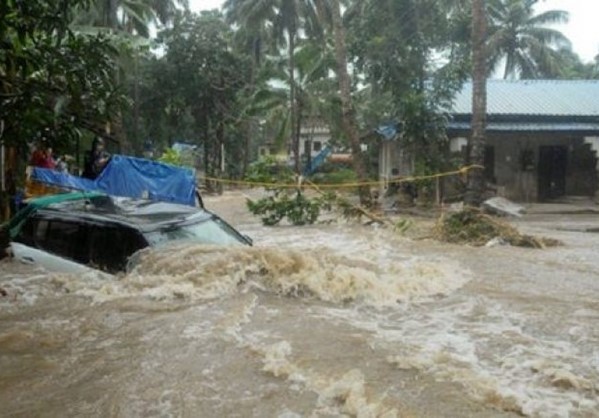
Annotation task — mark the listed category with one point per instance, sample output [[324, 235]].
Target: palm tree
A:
[[523, 39], [350, 125], [126, 17], [285, 20], [129, 16], [313, 88], [476, 183]]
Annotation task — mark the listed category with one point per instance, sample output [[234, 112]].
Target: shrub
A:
[[344, 175], [298, 209], [269, 170]]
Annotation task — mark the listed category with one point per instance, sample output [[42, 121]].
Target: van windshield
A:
[[206, 231]]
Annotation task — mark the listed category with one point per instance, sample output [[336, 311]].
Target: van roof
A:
[[145, 215]]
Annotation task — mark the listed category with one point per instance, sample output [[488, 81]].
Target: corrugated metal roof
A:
[[535, 97], [529, 127]]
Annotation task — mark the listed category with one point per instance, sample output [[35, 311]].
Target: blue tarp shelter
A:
[[131, 177], [388, 131]]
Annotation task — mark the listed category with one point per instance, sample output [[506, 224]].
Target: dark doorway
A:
[[553, 161]]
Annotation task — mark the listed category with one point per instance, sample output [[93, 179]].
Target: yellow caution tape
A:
[[461, 171]]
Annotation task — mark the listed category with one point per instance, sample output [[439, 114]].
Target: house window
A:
[[317, 146]]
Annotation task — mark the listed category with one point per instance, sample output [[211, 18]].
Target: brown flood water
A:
[[322, 321]]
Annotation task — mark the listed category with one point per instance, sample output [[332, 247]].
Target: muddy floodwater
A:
[[321, 321]]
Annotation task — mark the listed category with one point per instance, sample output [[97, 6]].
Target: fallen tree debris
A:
[[471, 226]]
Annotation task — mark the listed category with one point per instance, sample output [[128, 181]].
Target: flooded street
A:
[[321, 321]]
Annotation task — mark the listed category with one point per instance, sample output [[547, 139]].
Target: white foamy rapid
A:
[[199, 272]]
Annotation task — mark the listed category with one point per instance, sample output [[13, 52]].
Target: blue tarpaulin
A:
[[317, 161], [131, 177], [388, 131], [61, 179]]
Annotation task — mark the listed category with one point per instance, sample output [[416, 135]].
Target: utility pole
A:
[[476, 180]]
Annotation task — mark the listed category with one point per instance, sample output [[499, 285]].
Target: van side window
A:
[[59, 237], [64, 238], [111, 246], [27, 232]]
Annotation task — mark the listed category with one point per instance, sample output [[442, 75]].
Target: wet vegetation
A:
[[472, 227], [294, 206]]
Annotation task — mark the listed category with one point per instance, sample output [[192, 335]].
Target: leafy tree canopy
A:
[[52, 79], [202, 78], [413, 56]]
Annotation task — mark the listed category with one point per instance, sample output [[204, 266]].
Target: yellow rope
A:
[[461, 171]]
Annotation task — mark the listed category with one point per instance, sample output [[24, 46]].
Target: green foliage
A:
[[294, 206], [347, 209], [130, 16], [340, 176], [570, 66], [414, 57], [282, 24], [193, 90], [171, 156], [52, 79], [403, 225], [526, 42], [269, 170], [423, 169]]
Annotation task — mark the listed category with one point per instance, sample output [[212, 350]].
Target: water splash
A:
[[204, 272]]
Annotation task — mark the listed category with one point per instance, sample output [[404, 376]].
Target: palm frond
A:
[[549, 17]]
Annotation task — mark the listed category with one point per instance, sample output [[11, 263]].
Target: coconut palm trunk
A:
[[476, 181], [349, 121], [292, 102], [111, 14]]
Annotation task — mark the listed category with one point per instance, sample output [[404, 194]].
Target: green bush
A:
[[344, 175], [298, 209], [269, 170], [171, 156]]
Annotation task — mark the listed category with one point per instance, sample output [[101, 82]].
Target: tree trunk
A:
[[248, 126], [349, 121], [476, 181], [136, 135], [298, 130], [111, 19], [294, 136], [220, 142]]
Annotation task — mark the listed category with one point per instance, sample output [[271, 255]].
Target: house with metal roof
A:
[[542, 137]]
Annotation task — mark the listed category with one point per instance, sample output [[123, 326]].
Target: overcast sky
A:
[[583, 28]]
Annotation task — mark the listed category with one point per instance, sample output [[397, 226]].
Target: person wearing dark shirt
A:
[[95, 160]]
